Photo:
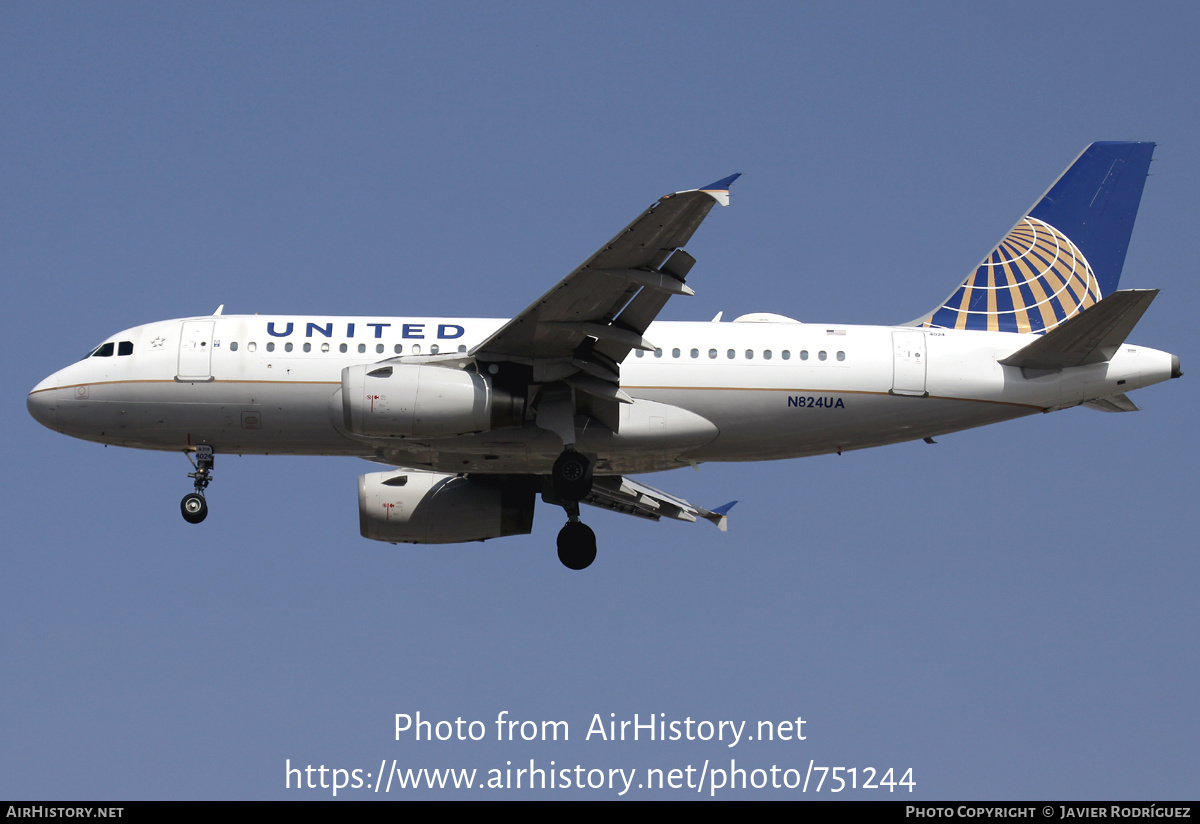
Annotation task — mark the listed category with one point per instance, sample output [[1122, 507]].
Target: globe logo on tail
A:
[[1032, 281]]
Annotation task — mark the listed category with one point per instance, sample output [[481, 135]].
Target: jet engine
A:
[[417, 507], [423, 401]]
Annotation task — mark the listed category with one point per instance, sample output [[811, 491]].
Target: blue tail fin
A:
[[1062, 257]]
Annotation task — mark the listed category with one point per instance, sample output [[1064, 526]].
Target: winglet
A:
[[721, 514], [720, 189]]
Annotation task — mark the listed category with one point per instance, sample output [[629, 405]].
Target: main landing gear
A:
[[571, 479], [576, 542], [193, 506]]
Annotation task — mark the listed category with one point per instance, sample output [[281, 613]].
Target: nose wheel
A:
[[193, 506]]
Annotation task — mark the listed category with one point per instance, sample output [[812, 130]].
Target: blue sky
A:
[[1011, 613]]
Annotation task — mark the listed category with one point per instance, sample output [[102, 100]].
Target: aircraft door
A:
[[908, 363], [195, 351]]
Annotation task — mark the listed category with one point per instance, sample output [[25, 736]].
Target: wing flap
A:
[[621, 494]]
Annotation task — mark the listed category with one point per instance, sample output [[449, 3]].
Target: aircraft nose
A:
[[43, 403]]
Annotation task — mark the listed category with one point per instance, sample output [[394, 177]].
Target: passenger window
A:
[[786, 354], [766, 354], [674, 353], [433, 350], [252, 346], [803, 354], [841, 356], [362, 347], [658, 353], [379, 348], [416, 348], [324, 347], [712, 353], [233, 346], [641, 353], [398, 348], [342, 347], [287, 347], [307, 347], [462, 349], [749, 354], [270, 346], [821, 355], [730, 354], [695, 353]]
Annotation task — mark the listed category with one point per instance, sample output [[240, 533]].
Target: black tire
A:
[[194, 508], [576, 545], [571, 476]]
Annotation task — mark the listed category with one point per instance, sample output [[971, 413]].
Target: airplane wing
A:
[[581, 330], [630, 497]]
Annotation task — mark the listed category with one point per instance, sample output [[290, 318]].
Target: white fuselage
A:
[[712, 391]]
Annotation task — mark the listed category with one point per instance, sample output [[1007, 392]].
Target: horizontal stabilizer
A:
[[1113, 403], [1093, 336]]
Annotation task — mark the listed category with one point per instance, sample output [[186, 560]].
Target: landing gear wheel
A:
[[576, 545], [572, 476], [194, 508]]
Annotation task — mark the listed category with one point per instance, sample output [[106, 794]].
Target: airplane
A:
[[477, 417]]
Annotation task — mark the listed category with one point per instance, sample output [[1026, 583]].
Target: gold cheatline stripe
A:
[[829, 392], [665, 388], [173, 381]]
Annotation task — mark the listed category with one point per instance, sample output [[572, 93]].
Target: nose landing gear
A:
[[193, 506]]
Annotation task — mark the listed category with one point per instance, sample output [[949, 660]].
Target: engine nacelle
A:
[[416, 507], [423, 401]]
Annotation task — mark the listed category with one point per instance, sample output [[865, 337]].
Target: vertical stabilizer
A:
[[1063, 256]]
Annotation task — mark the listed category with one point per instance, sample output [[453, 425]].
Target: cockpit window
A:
[[106, 350]]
